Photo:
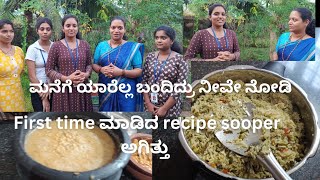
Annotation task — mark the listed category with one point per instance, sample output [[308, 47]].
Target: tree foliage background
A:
[[257, 23], [143, 17]]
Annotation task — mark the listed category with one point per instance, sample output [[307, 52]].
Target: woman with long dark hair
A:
[[70, 59], [165, 64]]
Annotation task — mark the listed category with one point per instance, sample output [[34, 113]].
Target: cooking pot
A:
[[30, 169], [298, 97]]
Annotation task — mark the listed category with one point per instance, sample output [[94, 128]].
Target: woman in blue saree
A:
[[120, 60], [299, 43]]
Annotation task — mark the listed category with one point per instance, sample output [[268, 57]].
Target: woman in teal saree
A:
[[299, 43], [299, 50], [120, 60]]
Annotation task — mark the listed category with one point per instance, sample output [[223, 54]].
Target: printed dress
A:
[[11, 94], [205, 44], [60, 63], [175, 70]]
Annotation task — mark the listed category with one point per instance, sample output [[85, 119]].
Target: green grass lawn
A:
[[254, 54], [25, 86]]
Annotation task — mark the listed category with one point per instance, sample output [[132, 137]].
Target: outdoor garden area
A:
[[143, 17]]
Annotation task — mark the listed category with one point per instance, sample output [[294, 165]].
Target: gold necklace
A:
[[115, 62], [6, 53], [299, 40]]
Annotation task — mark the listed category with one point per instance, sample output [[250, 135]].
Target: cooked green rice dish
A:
[[286, 142]]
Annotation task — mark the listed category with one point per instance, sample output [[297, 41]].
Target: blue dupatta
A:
[[300, 50], [121, 56]]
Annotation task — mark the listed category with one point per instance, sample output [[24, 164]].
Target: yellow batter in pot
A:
[[72, 150]]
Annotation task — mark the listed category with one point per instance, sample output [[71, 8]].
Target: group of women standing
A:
[[70, 59]]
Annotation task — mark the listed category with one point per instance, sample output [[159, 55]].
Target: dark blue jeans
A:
[[37, 102]]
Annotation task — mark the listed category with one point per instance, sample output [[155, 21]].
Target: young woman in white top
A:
[[36, 59]]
